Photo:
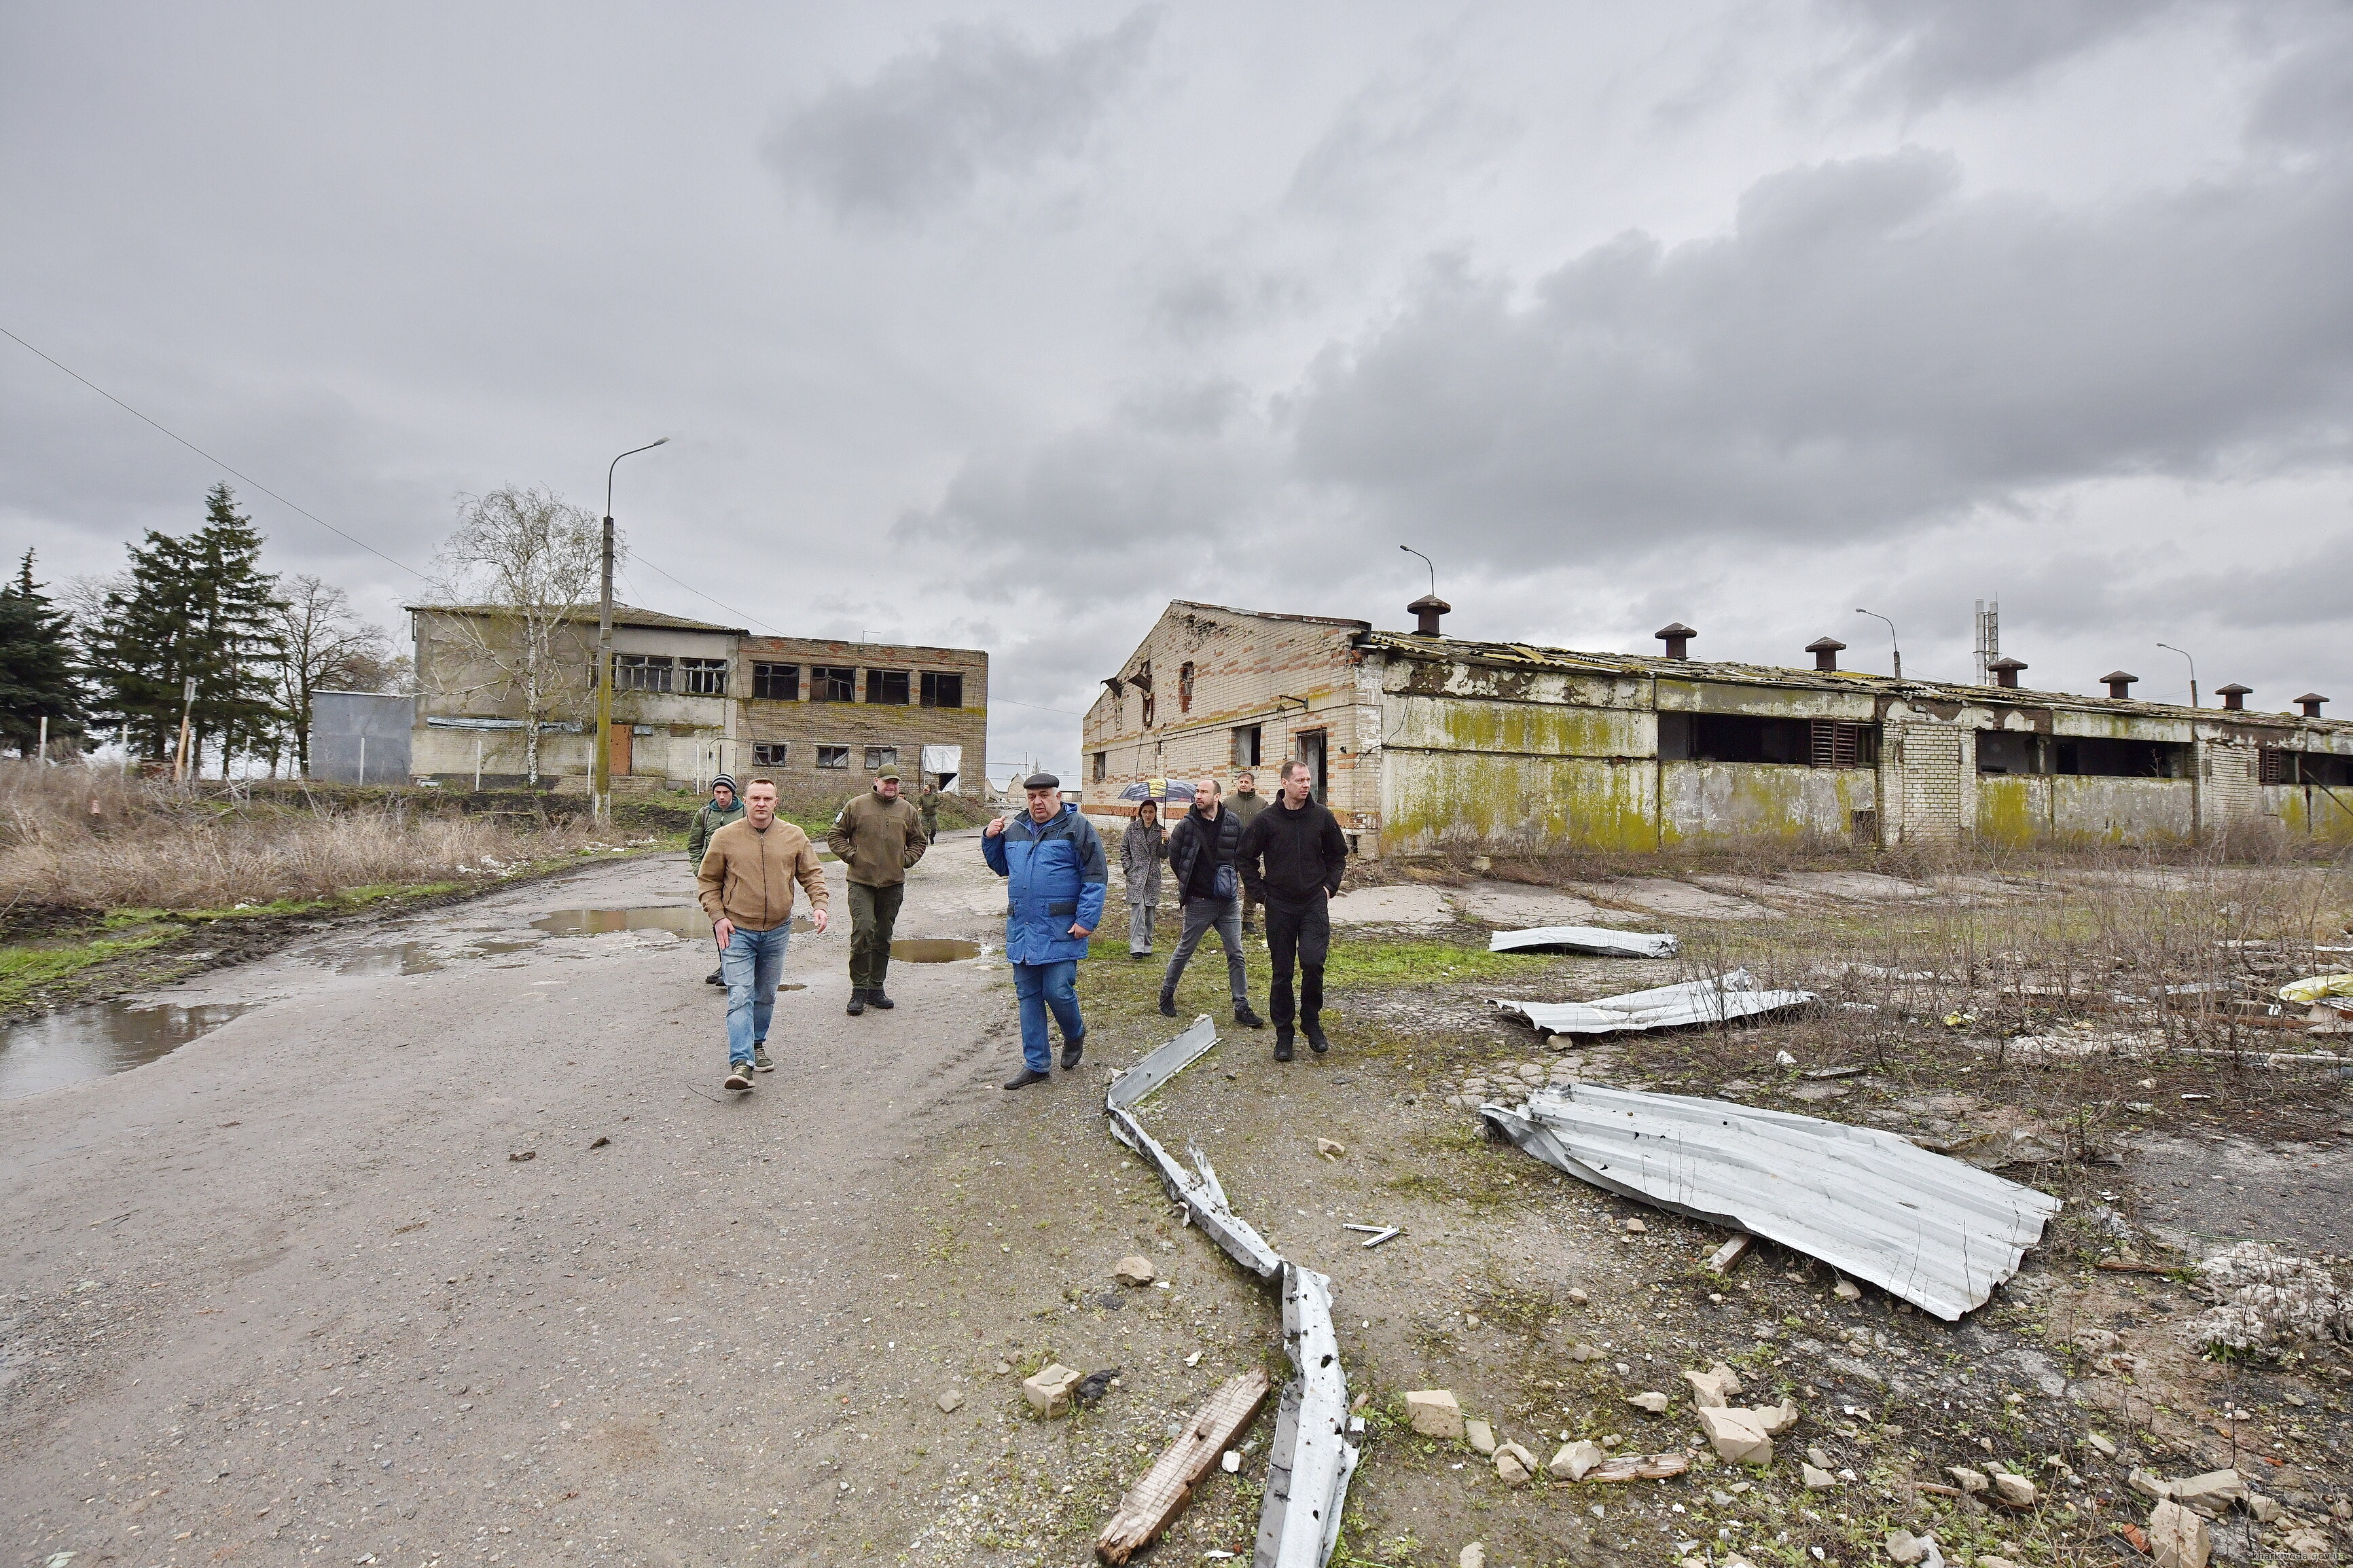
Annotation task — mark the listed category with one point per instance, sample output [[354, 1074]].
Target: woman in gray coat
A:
[[1141, 850]]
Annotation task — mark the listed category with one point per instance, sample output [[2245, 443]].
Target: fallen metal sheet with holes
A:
[[1937, 1233], [1307, 1478], [1162, 1064], [1733, 996], [1587, 938]]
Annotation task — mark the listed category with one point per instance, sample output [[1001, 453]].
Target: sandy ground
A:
[[356, 1277]]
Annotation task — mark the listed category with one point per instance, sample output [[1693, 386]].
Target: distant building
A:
[[1424, 744], [361, 737], [691, 700]]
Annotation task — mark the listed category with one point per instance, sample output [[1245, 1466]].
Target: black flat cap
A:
[[1041, 781]]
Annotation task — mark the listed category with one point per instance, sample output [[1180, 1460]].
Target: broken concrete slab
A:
[[2211, 1494], [1512, 904], [1435, 1413], [1479, 1435], [2178, 1538], [2014, 1490], [1816, 1478], [951, 1402], [1636, 1468], [1406, 904], [1135, 1269], [1714, 1389], [1929, 1230], [1049, 1389], [1574, 1460], [1649, 1399], [1665, 895], [1737, 1433], [1154, 1501], [1513, 1464], [1599, 940]]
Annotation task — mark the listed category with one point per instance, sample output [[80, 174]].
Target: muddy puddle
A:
[[678, 920], [78, 1044], [933, 950], [399, 958]]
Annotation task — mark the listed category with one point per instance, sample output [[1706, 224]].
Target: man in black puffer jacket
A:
[[1201, 851], [1291, 857]]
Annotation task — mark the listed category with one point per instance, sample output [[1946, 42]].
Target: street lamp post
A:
[[1892, 641], [601, 770], [2193, 671]]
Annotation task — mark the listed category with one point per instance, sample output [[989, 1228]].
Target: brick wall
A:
[[1938, 770]]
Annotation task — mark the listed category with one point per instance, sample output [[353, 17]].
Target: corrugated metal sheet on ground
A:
[[1937, 1233], [1733, 996], [1587, 938]]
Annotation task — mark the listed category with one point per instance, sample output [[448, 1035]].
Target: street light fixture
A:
[[1875, 616], [2193, 670], [601, 768]]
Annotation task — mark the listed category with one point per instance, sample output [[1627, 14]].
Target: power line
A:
[[217, 462]]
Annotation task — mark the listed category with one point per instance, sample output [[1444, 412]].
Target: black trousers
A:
[[1299, 933]]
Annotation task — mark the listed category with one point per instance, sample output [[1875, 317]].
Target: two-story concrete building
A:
[[691, 699], [1423, 742]]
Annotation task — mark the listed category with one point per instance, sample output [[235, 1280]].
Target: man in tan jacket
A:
[[746, 885], [877, 837]]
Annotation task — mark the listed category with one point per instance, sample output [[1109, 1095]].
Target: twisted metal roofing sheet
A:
[[1937, 1233], [1717, 1001], [1587, 938]]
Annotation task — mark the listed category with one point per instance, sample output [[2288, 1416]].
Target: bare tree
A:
[[328, 648], [524, 565]]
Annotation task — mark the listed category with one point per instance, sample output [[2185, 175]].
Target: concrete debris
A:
[[1479, 1435], [1583, 1352], [1331, 1149], [1002, 1368], [1049, 1389], [1847, 1290], [1136, 1271], [1718, 1001], [1990, 1560], [1638, 1467], [2271, 1297], [1737, 1433], [1154, 1501], [1928, 1230], [1513, 1464], [2211, 1494], [1714, 1389], [1435, 1413], [2149, 1484], [1307, 1476], [1575, 1459], [951, 1402], [1650, 1400], [1903, 1548], [1635, 1227], [2102, 1445], [1725, 1258], [2308, 1543], [2265, 1509], [1816, 1478], [1586, 939], [2014, 1490], [1472, 1556], [1777, 1419], [2177, 1538], [1974, 1482], [1233, 1462]]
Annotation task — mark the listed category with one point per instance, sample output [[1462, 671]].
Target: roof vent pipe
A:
[[1826, 651], [2120, 683], [1677, 637], [2234, 696], [2005, 671], [1426, 611], [2312, 702]]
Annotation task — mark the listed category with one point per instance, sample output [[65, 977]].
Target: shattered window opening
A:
[[832, 683], [1748, 738], [887, 686], [769, 753], [776, 682], [2283, 765], [642, 672], [1185, 688], [1102, 765], [833, 756], [940, 690], [881, 757], [704, 677]]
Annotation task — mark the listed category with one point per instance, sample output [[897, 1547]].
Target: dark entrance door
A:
[[1311, 752]]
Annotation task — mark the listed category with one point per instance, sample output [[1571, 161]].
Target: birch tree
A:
[[523, 567]]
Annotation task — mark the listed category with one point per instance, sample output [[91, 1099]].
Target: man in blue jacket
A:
[[1055, 876]]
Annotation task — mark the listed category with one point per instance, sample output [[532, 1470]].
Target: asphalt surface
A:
[[453, 1246]]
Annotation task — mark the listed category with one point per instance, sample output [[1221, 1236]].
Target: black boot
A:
[[1071, 1050], [1314, 1029], [1024, 1078], [1246, 1017], [874, 998], [1167, 1004], [714, 978], [1282, 1042], [857, 1000]]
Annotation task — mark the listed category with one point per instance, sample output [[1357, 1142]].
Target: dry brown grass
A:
[[96, 837]]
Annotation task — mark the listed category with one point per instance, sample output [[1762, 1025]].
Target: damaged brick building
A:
[[1423, 743]]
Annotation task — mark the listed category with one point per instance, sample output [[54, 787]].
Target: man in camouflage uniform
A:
[[877, 837], [928, 803], [1246, 803]]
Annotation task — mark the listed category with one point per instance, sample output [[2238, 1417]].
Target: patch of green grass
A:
[[349, 899], [26, 968], [1355, 960]]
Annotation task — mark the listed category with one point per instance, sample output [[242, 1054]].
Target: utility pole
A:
[[600, 772], [2193, 670], [1892, 641], [187, 703]]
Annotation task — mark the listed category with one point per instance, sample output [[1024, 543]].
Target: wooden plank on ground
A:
[[1639, 1468], [1151, 1503]]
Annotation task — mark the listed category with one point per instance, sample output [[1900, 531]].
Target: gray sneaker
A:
[[760, 1062]]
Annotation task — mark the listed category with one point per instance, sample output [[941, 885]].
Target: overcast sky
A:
[[1003, 327]]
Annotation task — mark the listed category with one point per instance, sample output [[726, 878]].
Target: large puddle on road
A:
[[678, 920], [101, 1037], [401, 957], [933, 950]]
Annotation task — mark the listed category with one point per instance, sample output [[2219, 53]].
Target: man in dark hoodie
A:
[[1291, 854], [1201, 853]]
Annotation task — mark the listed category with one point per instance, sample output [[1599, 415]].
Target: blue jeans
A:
[[1039, 986], [752, 963]]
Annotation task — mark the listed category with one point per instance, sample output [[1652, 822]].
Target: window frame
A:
[[828, 680], [764, 680], [879, 757], [877, 687], [645, 666], [933, 679], [689, 669], [833, 757], [771, 753]]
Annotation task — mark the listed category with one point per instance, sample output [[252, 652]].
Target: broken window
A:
[[881, 757], [832, 683], [1148, 709], [1247, 741], [643, 673], [2282, 765], [703, 677], [769, 753], [1185, 688], [887, 686], [1747, 738], [1102, 765], [776, 682], [2016, 751], [833, 756], [941, 690]]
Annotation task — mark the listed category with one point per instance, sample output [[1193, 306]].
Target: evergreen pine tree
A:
[[38, 678], [199, 606]]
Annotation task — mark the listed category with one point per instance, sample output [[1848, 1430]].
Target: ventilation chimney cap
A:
[[2234, 696], [1826, 651], [2312, 702], [2114, 675], [2005, 671], [1426, 611], [1676, 634]]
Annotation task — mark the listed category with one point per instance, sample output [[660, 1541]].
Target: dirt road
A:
[[451, 1246]]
